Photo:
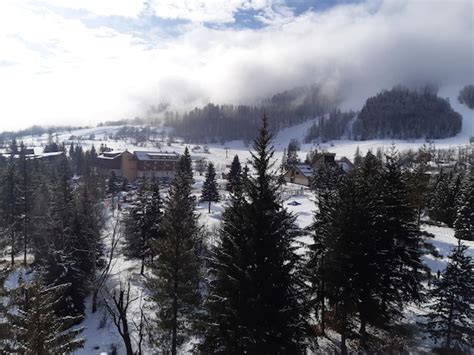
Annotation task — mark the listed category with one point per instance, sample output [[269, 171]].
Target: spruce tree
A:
[[176, 267], [86, 244], [143, 223], [451, 312], [10, 204], [36, 328], [112, 183], [341, 254], [443, 196], [235, 175], [401, 244], [256, 303], [61, 255], [366, 256], [26, 191], [209, 188], [464, 223]]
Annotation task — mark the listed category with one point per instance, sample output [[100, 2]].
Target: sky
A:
[[87, 61]]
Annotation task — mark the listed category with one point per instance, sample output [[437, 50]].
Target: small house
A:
[[345, 164], [300, 174]]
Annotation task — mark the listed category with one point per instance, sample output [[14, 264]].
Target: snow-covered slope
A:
[[347, 148]]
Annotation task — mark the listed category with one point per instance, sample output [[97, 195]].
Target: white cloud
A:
[[214, 11], [124, 8], [67, 72]]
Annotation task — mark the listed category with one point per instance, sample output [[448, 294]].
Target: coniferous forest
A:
[[466, 96], [399, 113], [220, 123], [402, 114], [249, 286]]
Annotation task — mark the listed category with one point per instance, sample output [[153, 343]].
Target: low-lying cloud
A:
[[57, 68]]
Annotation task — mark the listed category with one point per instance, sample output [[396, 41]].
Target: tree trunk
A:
[[323, 310], [363, 332], [142, 269], [25, 238], [209, 206], [13, 247], [343, 342], [450, 321], [126, 337], [94, 300], [174, 343], [344, 333], [418, 212]]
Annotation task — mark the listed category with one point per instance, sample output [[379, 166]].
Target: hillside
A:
[[401, 113], [220, 123]]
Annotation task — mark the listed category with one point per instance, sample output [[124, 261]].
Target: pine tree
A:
[[25, 192], [143, 223], [452, 312], [357, 157], [366, 256], [87, 247], [235, 175], [401, 244], [176, 267], [186, 167], [338, 257], [443, 196], [60, 254], [112, 183], [256, 303], [209, 188], [36, 328], [10, 203], [464, 223]]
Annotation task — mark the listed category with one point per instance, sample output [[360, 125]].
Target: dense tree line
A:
[[401, 113], [34, 131], [54, 223], [366, 258], [228, 122], [450, 320], [335, 125], [137, 134], [466, 96], [449, 191]]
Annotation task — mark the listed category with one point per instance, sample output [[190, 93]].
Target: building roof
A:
[[51, 154], [110, 155], [32, 154], [155, 155], [305, 169]]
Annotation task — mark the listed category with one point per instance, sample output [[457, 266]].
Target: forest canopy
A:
[[401, 113], [466, 96]]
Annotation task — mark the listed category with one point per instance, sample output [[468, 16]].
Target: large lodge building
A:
[[139, 164]]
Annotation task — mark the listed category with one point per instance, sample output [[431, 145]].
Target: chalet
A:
[[324, 159], [329, 159], [139, 164], [300, 174], [345, 164]]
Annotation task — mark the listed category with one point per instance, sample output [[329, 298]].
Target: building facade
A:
[[139, 164]]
